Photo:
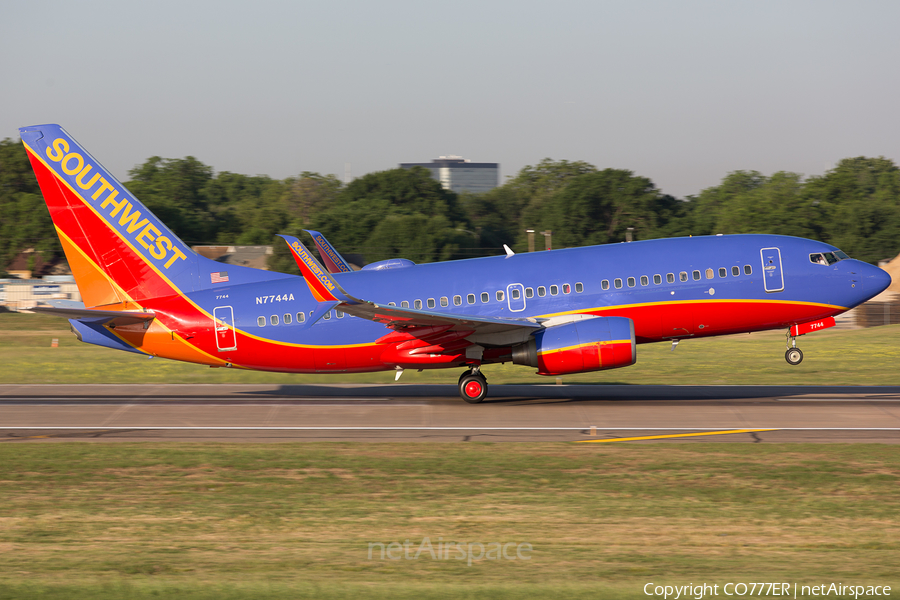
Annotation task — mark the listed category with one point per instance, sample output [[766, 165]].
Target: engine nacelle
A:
[[390, 263], [587, 345]]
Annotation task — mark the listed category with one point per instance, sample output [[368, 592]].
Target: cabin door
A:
[[515, 297], [773, 277], [224, 321]]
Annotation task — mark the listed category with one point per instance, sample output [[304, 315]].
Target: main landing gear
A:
[[793, 355], [472, 385]]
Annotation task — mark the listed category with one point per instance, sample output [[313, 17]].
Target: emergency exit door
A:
[[773, 277], [224, 323]]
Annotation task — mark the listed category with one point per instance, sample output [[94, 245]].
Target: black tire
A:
[[464, 374], [793, 356], [473, 387]]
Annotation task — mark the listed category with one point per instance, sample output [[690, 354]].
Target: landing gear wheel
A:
[[472, 387], [794, 356]]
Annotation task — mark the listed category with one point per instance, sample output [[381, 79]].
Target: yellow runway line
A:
[[671, 435]]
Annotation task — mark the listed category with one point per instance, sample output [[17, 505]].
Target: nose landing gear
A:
[[793, 355], [473, 385]]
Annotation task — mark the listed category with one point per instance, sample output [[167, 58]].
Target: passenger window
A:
[[404, 304], [327, 316], [339, 314], [735, 271], [604, 285], [579, 287], [261, 321], [657, 279], [670, 277], [683, 276], [542, 291], [430, 303], [287, 318], [567, 289], [273, 319], [618, 283], [723, 272], [645, 280], [457, 300], [515, 293], [485, 297], [554, 290], [696, 275], [529, 292], [445, 301], [631, 282], [470, 299], [418, 304], [748, 270], [499, 296], [301, 317], [392, 304], [710, 273]]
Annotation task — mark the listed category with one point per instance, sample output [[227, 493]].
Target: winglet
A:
[[334, 261], [323, 287]]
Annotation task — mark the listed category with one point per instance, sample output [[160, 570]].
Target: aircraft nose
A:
[[875, 280]]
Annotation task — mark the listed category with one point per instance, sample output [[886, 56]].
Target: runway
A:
[[595, 414]]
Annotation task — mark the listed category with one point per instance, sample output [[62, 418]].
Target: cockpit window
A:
[[827, 258]]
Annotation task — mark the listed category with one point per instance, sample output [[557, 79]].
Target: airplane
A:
[[564, 311]]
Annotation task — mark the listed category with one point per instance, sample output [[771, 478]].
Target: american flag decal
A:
[[218, 277]]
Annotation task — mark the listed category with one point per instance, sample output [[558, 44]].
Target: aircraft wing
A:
[[403, 318], [326, 289], [121, 317]]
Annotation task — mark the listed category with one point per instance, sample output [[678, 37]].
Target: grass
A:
[[295, 520], [857, 357]]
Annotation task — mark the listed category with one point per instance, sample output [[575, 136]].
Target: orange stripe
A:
[[95, 286]]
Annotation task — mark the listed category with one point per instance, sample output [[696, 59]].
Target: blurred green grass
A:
[[295, 520], [849, 357]]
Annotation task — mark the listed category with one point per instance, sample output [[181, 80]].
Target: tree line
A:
[[406, 213]]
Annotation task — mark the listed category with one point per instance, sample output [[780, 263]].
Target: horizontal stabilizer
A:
[[121, 317]]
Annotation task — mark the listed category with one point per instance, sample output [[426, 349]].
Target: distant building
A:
[[459, 175], [24, 294]]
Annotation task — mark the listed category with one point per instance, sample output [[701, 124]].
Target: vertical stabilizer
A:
[[118, 250]]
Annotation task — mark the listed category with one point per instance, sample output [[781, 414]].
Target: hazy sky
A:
[[681, 92]]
